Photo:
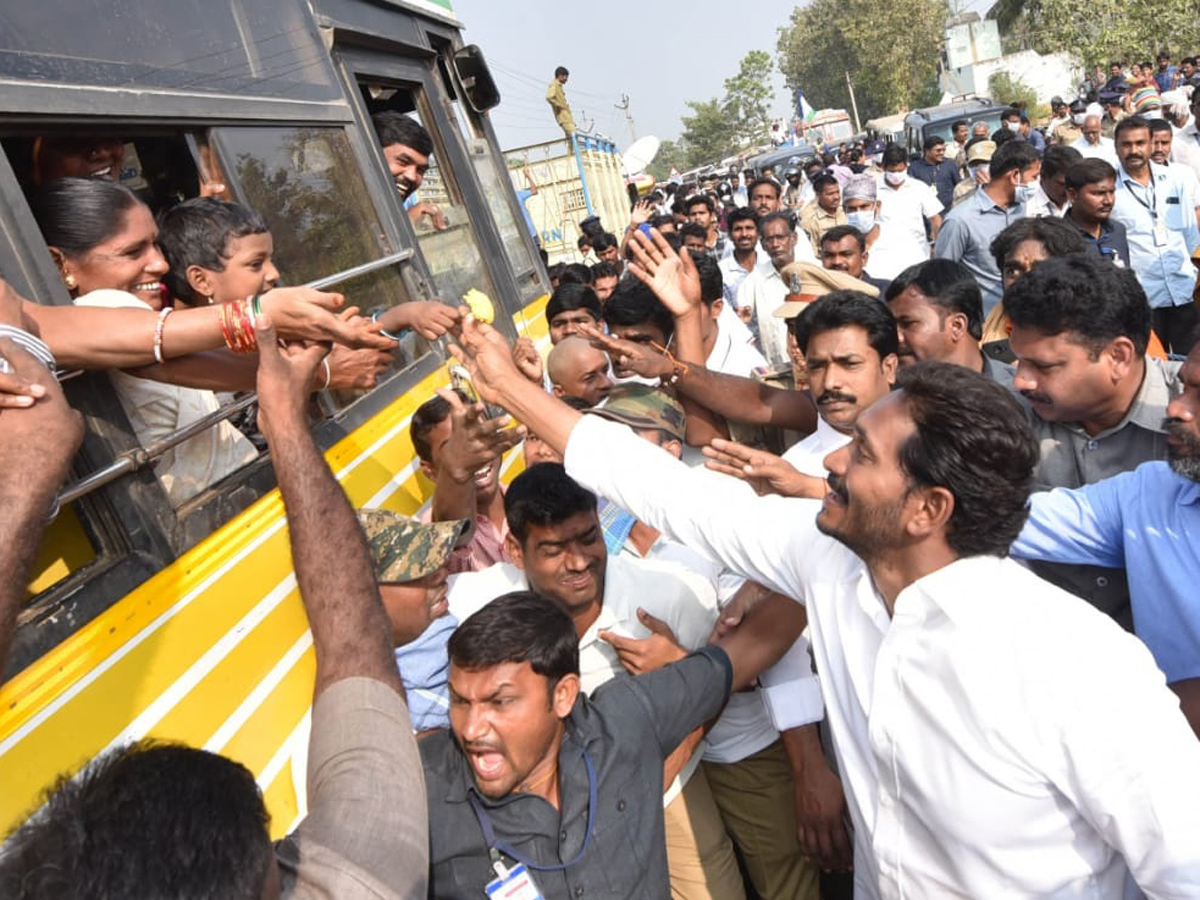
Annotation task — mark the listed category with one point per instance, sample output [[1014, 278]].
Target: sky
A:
[[677, 52]]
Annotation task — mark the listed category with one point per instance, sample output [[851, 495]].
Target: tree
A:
[[671, 154], [1101, 30], [707, 133], [1004, 88], [748, 96], [885, 45]]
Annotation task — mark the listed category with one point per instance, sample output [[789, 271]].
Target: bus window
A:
[[436, 209], [304, 183], [497, 189]]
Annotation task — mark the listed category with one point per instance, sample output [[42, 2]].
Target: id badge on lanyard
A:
[[512, 884], [1160, 234]]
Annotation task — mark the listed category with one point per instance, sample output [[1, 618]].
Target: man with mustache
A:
[[1091, 190], [1080, 327], [1147, 521], [1156, 208], [972, 705]]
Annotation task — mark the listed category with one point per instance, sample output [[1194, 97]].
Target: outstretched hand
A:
[[475, 440], [641, 359], [671, 276], [763, 471], [285, 376], [486, 355], [305, 314]]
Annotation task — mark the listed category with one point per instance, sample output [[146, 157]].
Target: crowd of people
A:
[[855, 551]]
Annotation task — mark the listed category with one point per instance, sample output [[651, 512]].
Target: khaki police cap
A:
[[644, 407], [816, 281], [403, 549], [981, 151]]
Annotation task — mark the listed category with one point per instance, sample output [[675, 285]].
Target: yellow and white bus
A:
[[146, 620]]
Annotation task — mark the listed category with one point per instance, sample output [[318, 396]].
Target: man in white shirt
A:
[[1162, 140], [728, 345], [905, 205], [1093, 144], [1049, 196], [1186, 149], [764, 290], [975, 750], [743, 237]]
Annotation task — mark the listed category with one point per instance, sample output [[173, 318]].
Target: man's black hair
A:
[[632, 303], [957, 124], [697, 199], [1083, 296], [585, 240], [949, 285], [1090, 171], [760, 181], [197, 232], [1059, 158], [428, 416], [544, 495], [1012, 110], [149, 820], [560, 71], [712, 283], [1118, 64], [661, 220], [840, 232], [844, 309], [741, 214], [1160, 125], [603, 241], [823, 181], [973, 439], [1002, 136], [1130, 123], [604, 269], [893, 155], [1058, 237], [568, 296], [575, 273], [518, 627], [397, 128], [693, 229], [778, 216], [1018, 155], [933, 140]]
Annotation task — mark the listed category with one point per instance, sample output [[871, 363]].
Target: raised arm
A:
[[39, 434], [351, 632], [94, 338]]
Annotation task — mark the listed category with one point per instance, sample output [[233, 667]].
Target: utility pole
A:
[[853, 103], [624, 107]]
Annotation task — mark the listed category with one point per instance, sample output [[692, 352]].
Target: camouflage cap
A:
[[644, 407], [403, 549]]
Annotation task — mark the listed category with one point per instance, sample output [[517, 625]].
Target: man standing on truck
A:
[[557, 99]]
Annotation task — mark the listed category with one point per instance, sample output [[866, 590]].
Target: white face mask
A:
[[862, 219], [895, 179], [1012, 126], [976, 169]]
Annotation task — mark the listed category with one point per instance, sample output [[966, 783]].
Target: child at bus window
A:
[[219, 252]]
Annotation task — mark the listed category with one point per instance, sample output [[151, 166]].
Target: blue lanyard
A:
[[489, 833]]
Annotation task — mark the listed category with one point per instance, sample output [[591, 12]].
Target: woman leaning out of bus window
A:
[[104, 242]]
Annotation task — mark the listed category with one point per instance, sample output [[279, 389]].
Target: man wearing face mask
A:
[[904, 206], [1071, 130], [972, 225], [979, 156]]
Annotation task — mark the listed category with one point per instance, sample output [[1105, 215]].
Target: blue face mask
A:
[[862, 219], [1025, 191]]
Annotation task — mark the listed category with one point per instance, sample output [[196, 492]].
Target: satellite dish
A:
[[640, 154]]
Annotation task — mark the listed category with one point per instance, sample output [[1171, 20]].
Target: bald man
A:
[[577, 369], [1094, 144]]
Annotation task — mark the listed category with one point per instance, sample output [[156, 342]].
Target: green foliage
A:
[[887, 46], [1098, 31], [708, 134], [748, 97], [1003, 88], [670, 153]]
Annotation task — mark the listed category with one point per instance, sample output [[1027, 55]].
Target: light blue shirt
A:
[[1166, 273], [1148, 521], [967, 234]]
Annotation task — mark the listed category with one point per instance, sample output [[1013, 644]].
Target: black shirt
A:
[[627, 728], [1113, 243]]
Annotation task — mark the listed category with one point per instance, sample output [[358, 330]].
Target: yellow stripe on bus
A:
[[184, 652]]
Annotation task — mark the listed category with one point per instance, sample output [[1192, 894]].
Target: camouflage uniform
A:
[[403, 549]]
